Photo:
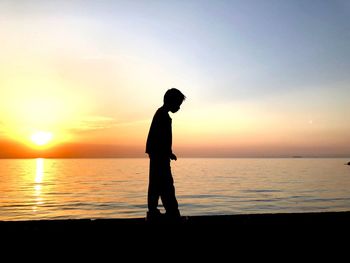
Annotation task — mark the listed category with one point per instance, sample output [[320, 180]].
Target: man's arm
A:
[[173, 157]]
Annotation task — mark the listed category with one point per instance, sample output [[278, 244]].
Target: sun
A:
[[41, 138]]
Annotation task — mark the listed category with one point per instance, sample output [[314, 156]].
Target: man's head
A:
[[173, 98]]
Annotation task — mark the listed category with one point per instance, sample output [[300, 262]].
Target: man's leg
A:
[[153, 191], [167, 193], [170, 202]]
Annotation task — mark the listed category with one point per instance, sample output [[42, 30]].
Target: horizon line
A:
[[184, 157]]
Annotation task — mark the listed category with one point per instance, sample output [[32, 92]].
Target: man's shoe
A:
[[154, 216]]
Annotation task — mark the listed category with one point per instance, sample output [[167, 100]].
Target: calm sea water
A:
[[117, 188]]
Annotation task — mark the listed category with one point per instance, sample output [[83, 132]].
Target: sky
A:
[[261, 78]]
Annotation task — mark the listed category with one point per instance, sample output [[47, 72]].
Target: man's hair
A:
[[173, 96]]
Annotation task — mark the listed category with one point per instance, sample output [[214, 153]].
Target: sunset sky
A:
[[262, 78]]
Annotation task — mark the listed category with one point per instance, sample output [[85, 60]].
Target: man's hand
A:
[[173, 157]]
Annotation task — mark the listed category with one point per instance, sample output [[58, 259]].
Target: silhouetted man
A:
[[159, 149]]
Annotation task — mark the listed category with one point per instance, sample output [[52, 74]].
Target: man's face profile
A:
[[175, 107]]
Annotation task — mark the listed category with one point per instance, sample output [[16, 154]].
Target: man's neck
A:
[[165, 108]]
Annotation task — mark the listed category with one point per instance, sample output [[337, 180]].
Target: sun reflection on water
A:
[[39, 170], [39, 175]]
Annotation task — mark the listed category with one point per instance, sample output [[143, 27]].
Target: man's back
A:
[[159, 138]]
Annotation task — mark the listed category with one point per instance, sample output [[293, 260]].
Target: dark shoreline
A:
[[238, 222], [221, 236]]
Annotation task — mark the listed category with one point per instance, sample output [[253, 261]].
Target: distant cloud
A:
[[94, 123], [94, 57]]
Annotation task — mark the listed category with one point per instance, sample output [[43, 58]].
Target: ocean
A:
[[32, 189]]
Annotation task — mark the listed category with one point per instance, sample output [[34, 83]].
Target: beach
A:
[[230, 223], [270, 236]]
